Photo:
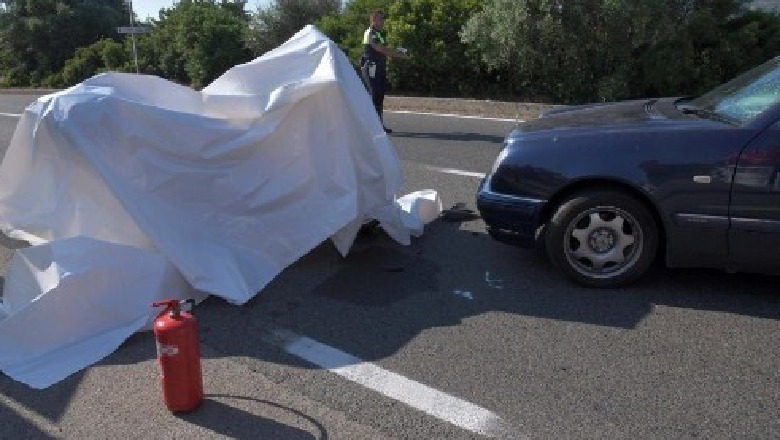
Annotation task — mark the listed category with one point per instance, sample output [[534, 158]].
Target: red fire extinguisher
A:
[[178, 355]]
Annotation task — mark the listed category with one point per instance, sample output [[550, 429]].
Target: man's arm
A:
[[387, 51]]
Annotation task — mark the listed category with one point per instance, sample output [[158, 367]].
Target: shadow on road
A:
[[451, 137], [235, 423], [383, 295], [21, 407], [388, 294]]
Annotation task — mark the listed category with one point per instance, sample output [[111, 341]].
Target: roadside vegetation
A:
[[553, 51]]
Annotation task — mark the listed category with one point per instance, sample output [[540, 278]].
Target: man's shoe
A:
[[387, 130]]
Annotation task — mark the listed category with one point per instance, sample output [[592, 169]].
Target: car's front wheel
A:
[[602, 238]]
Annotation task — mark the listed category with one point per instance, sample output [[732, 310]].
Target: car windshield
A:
[[747, 95]]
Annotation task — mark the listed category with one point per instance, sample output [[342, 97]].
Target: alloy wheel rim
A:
[[603, 242]]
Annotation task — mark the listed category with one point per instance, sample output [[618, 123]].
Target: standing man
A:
[[373, 62]]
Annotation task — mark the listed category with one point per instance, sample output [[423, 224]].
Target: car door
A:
[[754, 232]]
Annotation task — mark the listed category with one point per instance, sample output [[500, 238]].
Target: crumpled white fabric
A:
[[227, 186], [61, 313]]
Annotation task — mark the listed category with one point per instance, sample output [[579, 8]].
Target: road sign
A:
[[132, 29]]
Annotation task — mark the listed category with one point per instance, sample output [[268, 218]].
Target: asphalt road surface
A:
[[455, 336]]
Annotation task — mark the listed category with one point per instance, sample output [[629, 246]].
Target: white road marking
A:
[[406, 112], [31, 417], [456, 171], [432, 168], [433, 402], [452, 115]]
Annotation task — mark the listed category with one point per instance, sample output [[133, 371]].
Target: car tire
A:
[[602, 239]]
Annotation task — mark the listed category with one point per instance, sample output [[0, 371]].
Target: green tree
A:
[[553, 49], [101, 56], [346, 27], [710, 42], [37, 36], [273, 25], [589, 50], [496, 34], [749, 39], [236, 7], [440, 64], [195, 42]]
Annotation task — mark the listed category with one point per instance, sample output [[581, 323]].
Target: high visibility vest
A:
[[369, 53], [367, 36]]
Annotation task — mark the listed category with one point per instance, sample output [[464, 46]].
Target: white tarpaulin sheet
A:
[[134, 189]]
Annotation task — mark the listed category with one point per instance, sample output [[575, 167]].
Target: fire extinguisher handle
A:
[[172, 307], [167, 302], [190, 302]]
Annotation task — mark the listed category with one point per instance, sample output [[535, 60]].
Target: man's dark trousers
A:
[[376, 86]]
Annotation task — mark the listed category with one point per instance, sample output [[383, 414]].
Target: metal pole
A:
[[132, 35]]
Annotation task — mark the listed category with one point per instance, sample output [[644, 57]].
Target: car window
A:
[[747, 95]]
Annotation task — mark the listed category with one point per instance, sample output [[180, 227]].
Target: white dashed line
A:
[[448, 115], [28, 415], [432, 168], [455, 171], [438, 404], [452, 115]]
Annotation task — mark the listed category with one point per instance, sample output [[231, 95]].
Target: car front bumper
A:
[[509, 219]]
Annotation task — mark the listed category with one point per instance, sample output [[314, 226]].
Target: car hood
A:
[[616, 114]]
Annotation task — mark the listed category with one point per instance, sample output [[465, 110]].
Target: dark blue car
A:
[[604, 188]]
